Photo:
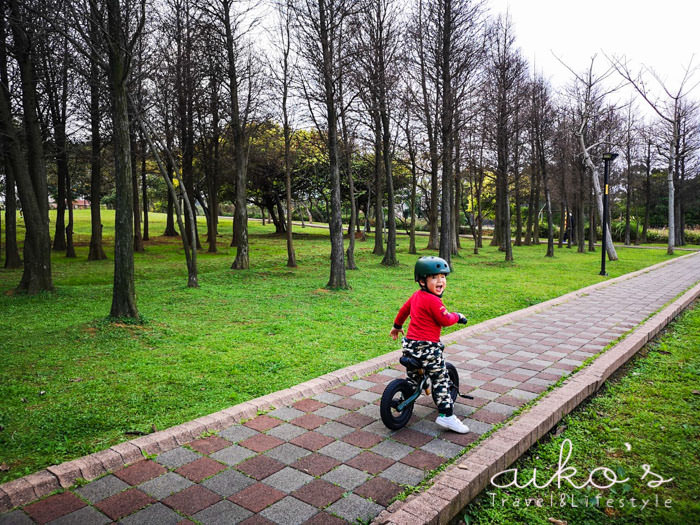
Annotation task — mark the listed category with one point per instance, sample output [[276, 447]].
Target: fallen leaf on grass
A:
[[4, 467], [560, 430], [76, 380], [556, 521], [696, 392]]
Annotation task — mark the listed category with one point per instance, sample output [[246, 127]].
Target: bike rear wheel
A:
[[394, 394], [454, 383]]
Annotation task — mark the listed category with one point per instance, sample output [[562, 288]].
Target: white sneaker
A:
[[452, 423]]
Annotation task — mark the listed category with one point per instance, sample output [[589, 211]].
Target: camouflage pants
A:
[[430, 356]]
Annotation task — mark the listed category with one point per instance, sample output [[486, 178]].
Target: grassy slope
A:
[[239, 336], [654, 406]]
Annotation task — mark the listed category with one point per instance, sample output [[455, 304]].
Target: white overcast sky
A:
[[661, 34]]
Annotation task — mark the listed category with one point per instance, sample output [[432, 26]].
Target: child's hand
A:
[[462, 319], [395, 333]]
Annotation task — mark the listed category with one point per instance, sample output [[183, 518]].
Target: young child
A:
[[422, 342]]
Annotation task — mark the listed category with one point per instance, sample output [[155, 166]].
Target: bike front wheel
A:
[[394, 394]]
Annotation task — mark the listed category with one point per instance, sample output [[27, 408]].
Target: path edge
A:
[[39, 484]]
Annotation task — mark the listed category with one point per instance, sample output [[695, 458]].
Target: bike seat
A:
[[409, 362]]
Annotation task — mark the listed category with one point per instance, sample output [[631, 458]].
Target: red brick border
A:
[[464, 480], [26, 489]]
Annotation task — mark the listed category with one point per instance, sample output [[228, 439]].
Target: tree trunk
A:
[[123, 292], [612, 254], [9, 147], [379, 189], [96, 252], [390, 254], [144, 191], [30, 175], [70, 249], [647, 194], [138, 239], [12, 259]]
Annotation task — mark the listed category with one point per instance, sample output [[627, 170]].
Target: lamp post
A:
[[607, 158]]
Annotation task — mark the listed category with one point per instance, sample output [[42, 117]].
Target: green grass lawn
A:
[[648, 414], [73, 383]]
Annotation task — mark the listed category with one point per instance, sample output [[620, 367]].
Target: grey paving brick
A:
[[362, 384], [288, 480], [346, 477], [442, 448], [522, 394], [380, 428], [392, 373], [470, 381], [392, 450], [16, 517], [492, 372], [289, 511], [84, 516], [355, 509], [524, 353], [427, 426], [232, 455], [237, 433], [335, 430], [505, 382], [165, 485], [494, 353], [287, 453], [330, 412], [463, 410], [524, 372], [340, 451], [422, 410], [371, 411], [552, 353], [286, 413], [486, 394], [540, 362], [157, 514], [286, 431], [227, 483], [403, 474], [222, 513], [479, 362], [327, 397], [367, 396], [540, 381], [499, 408], [556, 371], [572, 362], [478, 427], [177, 457], [101, 488]]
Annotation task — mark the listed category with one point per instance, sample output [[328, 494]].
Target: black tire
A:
[[454, 380], [396, 392]]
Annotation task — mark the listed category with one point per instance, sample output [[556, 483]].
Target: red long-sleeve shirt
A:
[[428, 316]]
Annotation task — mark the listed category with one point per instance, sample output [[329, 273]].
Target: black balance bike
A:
[[399, 396]]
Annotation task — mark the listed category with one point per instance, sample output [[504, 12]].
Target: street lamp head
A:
[[609, 156]]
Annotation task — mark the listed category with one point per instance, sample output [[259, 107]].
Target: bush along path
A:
[[319, 453]]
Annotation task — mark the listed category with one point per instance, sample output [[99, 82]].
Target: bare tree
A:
[[507, 70], [284, 75], [320, 29], [590, 95], [671, 113]]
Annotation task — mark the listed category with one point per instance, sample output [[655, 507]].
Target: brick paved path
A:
[[329, 459]]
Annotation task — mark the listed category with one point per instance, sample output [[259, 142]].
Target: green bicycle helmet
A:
[[430, 265]]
